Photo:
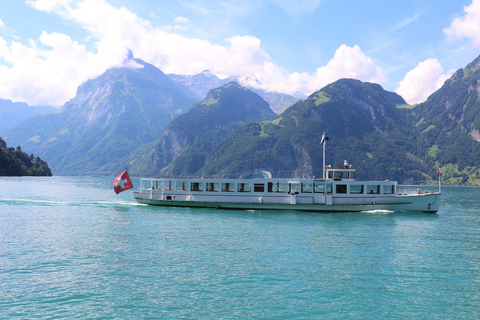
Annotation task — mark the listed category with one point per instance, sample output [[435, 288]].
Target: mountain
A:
[[449, 126], [12, 113], [200, 84], [109, 118], [191, 137], [278, 102], [15, 162], [364, 124]]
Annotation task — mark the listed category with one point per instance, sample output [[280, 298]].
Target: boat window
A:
[[329, 188], [373, 189], [319, 187], [228, 187], [259, 187], [294, 188], [307, 187], [196, 186], [244, 187], [356, 188], [181, 185], [162, 185], [281, 187], [148, 184], [270, 187], [211, 186], [340, 175], [389, 189], [341, 188]]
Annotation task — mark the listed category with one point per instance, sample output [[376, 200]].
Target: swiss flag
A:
[[122, 182]]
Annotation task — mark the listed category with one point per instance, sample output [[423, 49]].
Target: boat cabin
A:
[[341, 173]]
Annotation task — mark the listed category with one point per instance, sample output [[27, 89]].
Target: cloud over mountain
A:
[[427, 77]]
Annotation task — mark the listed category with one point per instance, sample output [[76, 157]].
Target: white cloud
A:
[[181, 20], [420, 82], [44, 77], [347, 62], [48, 5], [467, 26], [49, 70], [2, 25], [258, 71]]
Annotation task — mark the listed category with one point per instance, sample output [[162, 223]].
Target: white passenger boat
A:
[[339, 191]]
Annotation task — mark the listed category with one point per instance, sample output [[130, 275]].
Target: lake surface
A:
[[71, 248]]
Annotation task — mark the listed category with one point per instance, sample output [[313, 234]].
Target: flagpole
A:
[[439, 181]]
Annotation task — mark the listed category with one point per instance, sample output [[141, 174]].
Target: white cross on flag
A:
[[122, 182]]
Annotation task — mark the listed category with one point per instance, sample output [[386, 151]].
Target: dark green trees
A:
[[15, 162]]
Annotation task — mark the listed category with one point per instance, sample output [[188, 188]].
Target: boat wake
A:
[[82, 203], [378, 211]]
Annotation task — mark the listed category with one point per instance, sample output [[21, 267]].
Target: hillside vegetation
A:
[[15, 162]]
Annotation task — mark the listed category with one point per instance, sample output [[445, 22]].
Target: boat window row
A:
[[271, 187], [341, 174], [360, 189]]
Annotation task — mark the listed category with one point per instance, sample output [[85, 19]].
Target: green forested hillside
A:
[[190, 138], [15, 162], [449, 127], [364, 125]]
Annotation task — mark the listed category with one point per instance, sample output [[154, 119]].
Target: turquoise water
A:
[[71, 248]]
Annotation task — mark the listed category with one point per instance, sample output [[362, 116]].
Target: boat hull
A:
[[415, 203]]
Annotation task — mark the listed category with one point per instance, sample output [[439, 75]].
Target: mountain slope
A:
[[189, 139], [109, 117], [12, 113], [449, 123], [362, 120]]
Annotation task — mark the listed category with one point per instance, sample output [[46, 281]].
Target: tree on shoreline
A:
[[15, 162]]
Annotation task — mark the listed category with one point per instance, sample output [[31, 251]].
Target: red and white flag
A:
[[122, 182]]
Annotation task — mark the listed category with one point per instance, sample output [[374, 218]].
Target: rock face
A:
[[109, 118], [190, 138]]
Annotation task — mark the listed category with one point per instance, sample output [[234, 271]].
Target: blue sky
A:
[[49, 47]]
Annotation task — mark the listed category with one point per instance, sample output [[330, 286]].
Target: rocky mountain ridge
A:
[[107, 120]]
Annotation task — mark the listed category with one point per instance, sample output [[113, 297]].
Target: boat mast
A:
[[324, 143]]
